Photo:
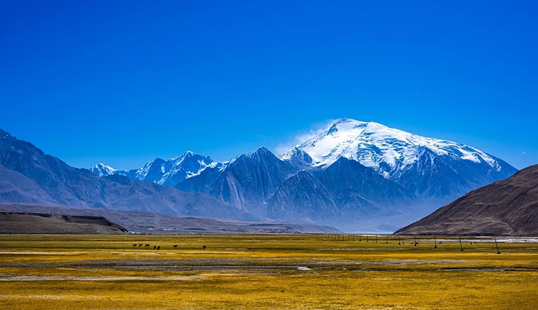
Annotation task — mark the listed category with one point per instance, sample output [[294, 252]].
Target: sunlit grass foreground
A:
[[265, 272]]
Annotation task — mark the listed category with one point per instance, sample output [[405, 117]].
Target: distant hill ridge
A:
[[43, 223]]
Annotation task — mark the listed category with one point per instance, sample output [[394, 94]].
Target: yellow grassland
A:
[[262, 272]]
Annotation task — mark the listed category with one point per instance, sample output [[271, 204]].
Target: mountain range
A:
[[355, 175], [160, 171], [351, 174], [27, 175]]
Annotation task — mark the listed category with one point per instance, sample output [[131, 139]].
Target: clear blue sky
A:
[[122, 82]]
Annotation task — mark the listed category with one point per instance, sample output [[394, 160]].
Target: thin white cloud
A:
[[301, 137]]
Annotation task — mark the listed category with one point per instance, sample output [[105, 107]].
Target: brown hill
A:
[[43, 223], [508, 207]]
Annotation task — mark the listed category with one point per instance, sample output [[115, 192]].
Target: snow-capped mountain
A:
[[163, 172], [102, 170], [434, 167], [352, 174], [387, 150]]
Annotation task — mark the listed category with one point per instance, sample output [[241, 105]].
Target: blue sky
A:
[[125, 82]]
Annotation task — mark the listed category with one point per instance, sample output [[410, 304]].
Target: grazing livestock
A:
[[147, 245], [175, 246], [204, 247], [140, 244], [134, 245], [159, 247], [154, 247]]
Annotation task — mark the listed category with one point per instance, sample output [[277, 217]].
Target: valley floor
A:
[[263, 272]]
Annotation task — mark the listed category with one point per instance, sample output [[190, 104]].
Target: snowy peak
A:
[[298, 158], [427, 168], [183, 167], [151, 171], [164, 172], [385, 149], [102, 170]]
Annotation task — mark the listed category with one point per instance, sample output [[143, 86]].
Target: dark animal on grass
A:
[[159, 247], [154, 247], [175, 246], [497, 246], [134, 245], [147, 245], [204, 247], [140, 244]]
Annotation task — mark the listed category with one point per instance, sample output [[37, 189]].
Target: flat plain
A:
[[264, 272]]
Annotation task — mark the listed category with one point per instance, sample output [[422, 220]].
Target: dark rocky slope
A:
[[508, 207]]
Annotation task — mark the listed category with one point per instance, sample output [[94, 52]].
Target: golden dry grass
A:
[[262, 272]]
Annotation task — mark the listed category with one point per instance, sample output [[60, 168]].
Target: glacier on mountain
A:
[[387, 150]]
